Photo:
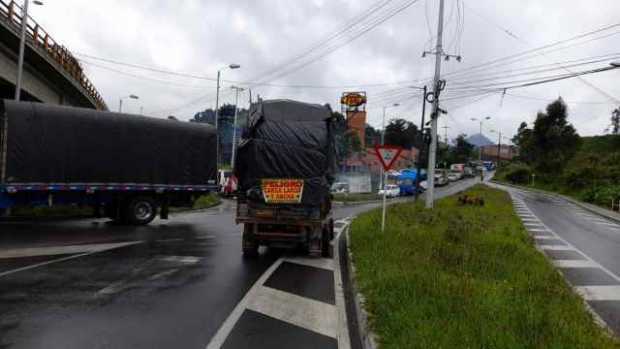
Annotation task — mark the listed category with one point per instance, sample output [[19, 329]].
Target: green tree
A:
[[554, 140], [402, 133], [462, 150], [371, 136], [523, 140]]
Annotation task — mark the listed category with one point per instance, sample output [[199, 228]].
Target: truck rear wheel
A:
[[249, 244], [140, 210], [326, 251]]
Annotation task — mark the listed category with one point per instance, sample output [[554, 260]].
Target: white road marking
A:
[[322, 263], [557, 248], [304, 312], [599, 293], [37, 265], [163, 274], [180, 259], [222, 333], [545, 237], [57, 250], [538, 230], [573, 263]]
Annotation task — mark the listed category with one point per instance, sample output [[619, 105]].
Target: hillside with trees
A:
[[554, 157]]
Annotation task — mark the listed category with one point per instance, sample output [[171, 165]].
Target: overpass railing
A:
[[11, 13]]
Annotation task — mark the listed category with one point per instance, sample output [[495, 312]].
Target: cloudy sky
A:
[[168, 53]]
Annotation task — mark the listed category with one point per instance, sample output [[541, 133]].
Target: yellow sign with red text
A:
[[282, 191]]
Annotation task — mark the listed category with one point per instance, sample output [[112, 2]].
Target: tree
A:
[[552, 142], [523, 140], [462, 150], [371, 136], [402, 133], [615, 121]]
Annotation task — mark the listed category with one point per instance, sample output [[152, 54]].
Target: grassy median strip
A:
[[465, 277]]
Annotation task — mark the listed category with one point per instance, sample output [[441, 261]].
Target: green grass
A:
[[52, 212], [465, 277], [206, 201], [357, 197]]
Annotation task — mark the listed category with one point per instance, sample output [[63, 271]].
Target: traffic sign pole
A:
[[384, 203], [388, 155]]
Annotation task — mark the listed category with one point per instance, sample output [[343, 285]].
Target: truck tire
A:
[[140, 210], [249, 245], [326, 251]]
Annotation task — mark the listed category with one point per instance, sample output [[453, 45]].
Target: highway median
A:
[[465, 275]]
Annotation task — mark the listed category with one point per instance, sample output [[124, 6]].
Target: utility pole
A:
[[22, 44], [430, 173], [217, 116], [234, 139], [499, 148], [422, 144], [445, 132]]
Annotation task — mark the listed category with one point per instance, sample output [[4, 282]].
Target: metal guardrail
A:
[[11, 13]]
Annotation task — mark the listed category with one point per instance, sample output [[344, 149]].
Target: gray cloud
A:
[[198, 37]]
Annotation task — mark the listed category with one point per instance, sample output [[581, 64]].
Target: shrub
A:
[[518, 173]]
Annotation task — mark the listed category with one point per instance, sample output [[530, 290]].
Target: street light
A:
[[22, 43], [480, 147], [234, 140], [383, 121], [217, 111], [120, 101]]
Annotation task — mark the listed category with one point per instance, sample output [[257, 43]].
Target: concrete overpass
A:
[[51, 73]]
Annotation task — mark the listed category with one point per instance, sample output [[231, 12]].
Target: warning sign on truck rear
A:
[[282, 191]]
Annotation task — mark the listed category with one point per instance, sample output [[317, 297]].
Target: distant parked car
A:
[[441, 178], [455, 176], [391, 191], [340, 188]]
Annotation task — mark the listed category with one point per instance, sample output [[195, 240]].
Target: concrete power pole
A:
[[234, 139], [445, 132], [430, 173]]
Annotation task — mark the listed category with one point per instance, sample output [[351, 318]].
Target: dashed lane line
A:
[[599, 293], [573, 263]]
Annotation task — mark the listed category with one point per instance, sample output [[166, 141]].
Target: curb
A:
[[355, 203], [586, 206], [367, 336]]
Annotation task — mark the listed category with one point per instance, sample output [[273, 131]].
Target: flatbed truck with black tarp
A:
[[127, 167], [285, 167]]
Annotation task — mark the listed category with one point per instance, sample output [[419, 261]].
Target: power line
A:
[[583, 80]]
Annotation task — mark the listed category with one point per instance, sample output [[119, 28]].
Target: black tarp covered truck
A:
[[285, 167], [126, 166]]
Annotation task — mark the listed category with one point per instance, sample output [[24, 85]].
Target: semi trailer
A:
[[128, 167]]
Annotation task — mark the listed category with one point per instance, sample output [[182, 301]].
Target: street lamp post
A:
[[481, 121], [499, 145], [234, 139], [22, 44], [120, 101], [217, 111]]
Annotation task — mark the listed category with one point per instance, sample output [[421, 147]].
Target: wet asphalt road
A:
[[172, 288], [587, 250]]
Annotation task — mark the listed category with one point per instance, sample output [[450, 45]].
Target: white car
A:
[[391, 191]]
